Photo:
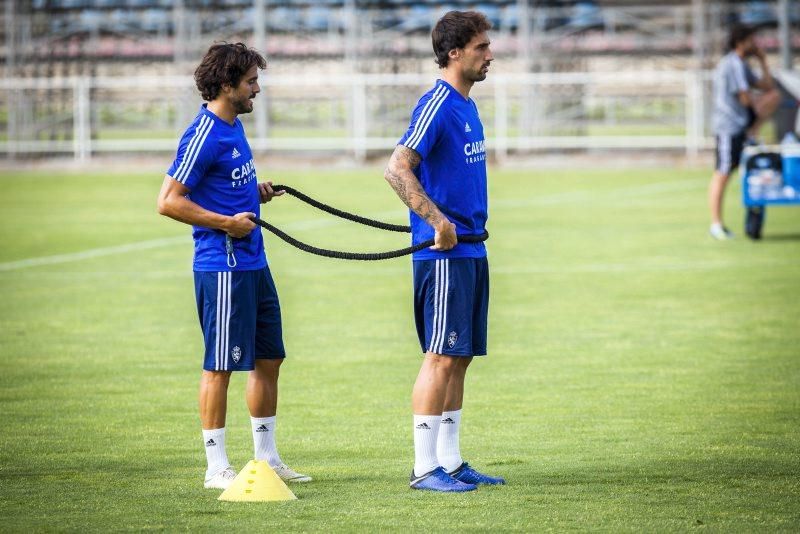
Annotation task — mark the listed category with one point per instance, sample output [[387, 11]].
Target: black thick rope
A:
[[362, 256], [339, 213]]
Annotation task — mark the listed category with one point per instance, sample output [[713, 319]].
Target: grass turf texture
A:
[[641, 376]]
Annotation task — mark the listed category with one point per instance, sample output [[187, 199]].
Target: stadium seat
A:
[[317, 18], [759, 14], [509, 18], [417, 18], [283, 19], [491, 11], [153, 20], [122, 20], [142, 3], [586, 15], [90, 20]]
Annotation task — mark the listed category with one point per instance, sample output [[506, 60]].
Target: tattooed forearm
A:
[[399, 173]]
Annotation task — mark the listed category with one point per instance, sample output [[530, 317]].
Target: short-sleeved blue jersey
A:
[[447, 133], [215, 162]]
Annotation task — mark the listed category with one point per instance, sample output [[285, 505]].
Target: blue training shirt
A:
[[215, 162], [447, 133]]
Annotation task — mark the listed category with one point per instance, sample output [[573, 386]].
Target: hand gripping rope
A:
[[363, 256]]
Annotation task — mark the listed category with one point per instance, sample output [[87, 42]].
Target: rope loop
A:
[[359, 256]]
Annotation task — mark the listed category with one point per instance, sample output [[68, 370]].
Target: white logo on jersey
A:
[[236, 354], [475, 151], [241, 173], [475, 148], [467, 129], [235, 153]]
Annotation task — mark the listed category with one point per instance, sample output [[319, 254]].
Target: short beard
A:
[[240, 107]]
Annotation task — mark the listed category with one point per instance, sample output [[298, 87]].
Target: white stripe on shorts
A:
[[441, 286], [724, 148], [223, 320]]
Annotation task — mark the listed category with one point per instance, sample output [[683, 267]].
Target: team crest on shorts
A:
[[451, 339], [236, 354]]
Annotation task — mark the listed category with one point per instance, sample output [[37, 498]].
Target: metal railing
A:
[[360, 113]]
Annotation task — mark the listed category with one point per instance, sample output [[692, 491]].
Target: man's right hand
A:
[[240, 224], [445, 237]]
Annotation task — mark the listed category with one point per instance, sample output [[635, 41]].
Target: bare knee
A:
[[216, 378], [768, 103], [448, 364], [720, 178], [774, 96], [441, 361], [268, 368]]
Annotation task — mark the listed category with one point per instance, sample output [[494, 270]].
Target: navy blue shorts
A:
[[240, 317], [729, 151], [451, 305]]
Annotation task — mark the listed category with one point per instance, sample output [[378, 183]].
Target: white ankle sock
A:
[[426, 429], [214, 441], [264, 439], [447, 450]]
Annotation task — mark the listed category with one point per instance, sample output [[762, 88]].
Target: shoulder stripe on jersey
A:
[[195, 147], [190, 156], [425, 109], [430, 117], [426, 117]]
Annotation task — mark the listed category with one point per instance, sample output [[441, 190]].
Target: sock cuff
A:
[[426, 418], [214, 433], [262, 420]]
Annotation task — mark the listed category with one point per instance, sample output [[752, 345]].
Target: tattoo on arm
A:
[[399, 173]]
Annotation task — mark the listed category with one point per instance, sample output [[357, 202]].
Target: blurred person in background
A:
[[742, 103], [212, 185]]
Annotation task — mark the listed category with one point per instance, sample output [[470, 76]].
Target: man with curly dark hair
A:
[[212, 185]]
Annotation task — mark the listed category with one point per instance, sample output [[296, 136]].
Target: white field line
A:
[[157, 243], [574, 196], [557, 198], [91, 253]]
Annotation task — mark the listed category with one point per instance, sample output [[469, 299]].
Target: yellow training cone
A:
[[257, 482]]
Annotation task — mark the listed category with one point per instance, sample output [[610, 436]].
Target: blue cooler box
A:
[[790, 161], [770, 175]]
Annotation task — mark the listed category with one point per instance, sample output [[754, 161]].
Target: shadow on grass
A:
[[781, 237]]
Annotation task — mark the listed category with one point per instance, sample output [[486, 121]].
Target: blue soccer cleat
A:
[[438, 480], [468, 475]]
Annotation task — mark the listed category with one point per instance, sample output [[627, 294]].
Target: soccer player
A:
[[212, 185], [738, 114], [438, 169]]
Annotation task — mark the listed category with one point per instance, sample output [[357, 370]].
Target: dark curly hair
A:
[[454, 30], [225, 64]]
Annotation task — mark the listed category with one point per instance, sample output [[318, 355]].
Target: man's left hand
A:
[[266, 192]]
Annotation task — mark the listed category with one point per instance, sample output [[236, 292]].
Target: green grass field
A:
[[641, 376]]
